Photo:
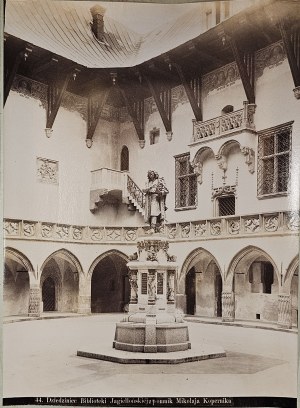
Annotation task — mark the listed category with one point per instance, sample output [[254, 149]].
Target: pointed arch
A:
[[249, 254], [19, 257], [226, 147], [67, 255], [294, 264], [104, 255]]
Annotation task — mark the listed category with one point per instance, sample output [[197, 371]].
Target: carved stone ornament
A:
[[96, 234], [284, 310], [88, 143], [11, 228], [221, 161], [62, 231], [200, 229], [113, 234], [215, 228], [293, 221], [234, 227], [133, 257], [269, 57], [47, 170], [77, 233], [34, 301], [172, 231], [47, 230], [132, 275], [171, 287], [130, 235], [169, 135], [271, 223], [224, 190], [249, 158], [142, 143], [185, 230], [231, 121], [29, 229], [228, 312], [297, 92], [198, 169], [251, 225], [151, 285]]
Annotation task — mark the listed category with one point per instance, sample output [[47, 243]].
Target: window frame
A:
[[185, 157], [262, 158]]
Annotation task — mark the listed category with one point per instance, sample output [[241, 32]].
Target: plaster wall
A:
[[15, 294]]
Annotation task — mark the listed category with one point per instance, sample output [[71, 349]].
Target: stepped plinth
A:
[[152, 323]]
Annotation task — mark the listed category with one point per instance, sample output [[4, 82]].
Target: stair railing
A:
[[135, 192]]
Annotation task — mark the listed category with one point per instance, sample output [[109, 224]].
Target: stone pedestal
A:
[[152, 324], [284, 311], [228, 309]]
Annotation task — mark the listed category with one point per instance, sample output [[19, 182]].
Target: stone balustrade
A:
[[225, 124], [283, 222]]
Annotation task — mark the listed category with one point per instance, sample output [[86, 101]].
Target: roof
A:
[[64, 28]]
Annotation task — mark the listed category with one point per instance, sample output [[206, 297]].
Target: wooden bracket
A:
[[245, 64], [163, 103], [135, 110], [289, 43], [55, 95], [23, 54], [44, 65], [195, 105], [95, 108]]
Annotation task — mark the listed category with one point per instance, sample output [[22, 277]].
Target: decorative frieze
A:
[[284, 311], [269, 57], [47, 170], [275, 223], [251, 224], [220, 78], [178, 97]]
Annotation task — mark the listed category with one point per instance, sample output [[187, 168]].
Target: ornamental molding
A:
[[224, 190], [269, 57], [47, 170], [220, 78]]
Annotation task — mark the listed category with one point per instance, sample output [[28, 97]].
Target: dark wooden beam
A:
[[189, 92], [245, 64], [95, 108], [165, 115], [137, 121], [290, 51], [56, 92], [13, 69], [44, 65]]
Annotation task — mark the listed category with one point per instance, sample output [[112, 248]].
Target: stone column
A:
[[284, 311], [133, 287], [84, 295], [171, 286], [228, 307], [34, 309], [151, 287]]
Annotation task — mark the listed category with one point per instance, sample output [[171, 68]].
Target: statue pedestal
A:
[[152, 324]]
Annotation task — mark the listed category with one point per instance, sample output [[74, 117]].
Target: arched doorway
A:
[[60, 282], [256, 286], [110, 289], [124, 158], [203, 285], [48, 295], [190, 291], [16, 285]]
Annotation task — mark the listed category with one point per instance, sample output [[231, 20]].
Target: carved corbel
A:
[[249, 158], [221, 161], [198, 169]]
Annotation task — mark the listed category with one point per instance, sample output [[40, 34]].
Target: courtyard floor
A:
[[39, 359]]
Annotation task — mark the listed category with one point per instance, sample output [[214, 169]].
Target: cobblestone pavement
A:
[[39, 359]]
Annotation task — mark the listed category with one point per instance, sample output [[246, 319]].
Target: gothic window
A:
[[274, 155], [226, 205], [154, 136], [185, 183], [125, 158]]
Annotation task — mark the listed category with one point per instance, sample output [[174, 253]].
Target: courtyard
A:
[[39, 359]]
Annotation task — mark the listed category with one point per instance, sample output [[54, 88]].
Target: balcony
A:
[[224, 125], [113, 187]]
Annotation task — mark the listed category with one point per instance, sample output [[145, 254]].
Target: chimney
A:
[[98, 12]]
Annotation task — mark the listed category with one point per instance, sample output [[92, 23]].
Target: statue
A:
[[155, 203]]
